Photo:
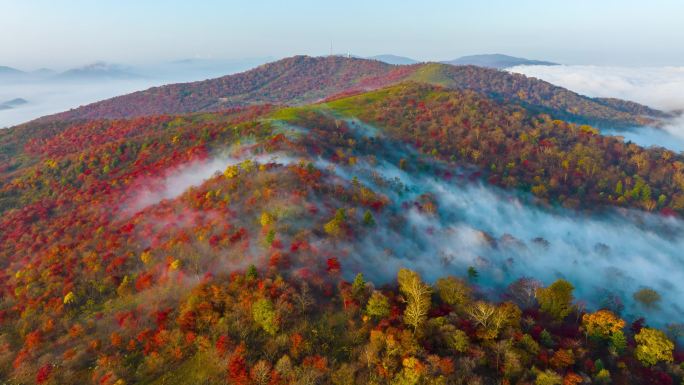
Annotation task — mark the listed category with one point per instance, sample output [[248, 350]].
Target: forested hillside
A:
[[555, 160], [269, 245]]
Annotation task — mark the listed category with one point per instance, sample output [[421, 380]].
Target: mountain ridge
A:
[[305, 79], [97, 70], [9, 70], [498, 61]]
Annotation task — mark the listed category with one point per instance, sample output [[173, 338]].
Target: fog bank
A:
[[658, 87], [45, 98], [608, 256]]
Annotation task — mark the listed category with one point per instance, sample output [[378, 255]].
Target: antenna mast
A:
[[331, 48]]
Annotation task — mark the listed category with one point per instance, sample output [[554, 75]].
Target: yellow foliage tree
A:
[[417, 296], [602, 323], [266, 219], [146, 257], [231, 172], [653, 346], [69, 298]]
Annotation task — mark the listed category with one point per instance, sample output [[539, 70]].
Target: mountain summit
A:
[[305, 79]]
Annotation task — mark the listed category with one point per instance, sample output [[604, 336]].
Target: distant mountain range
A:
[[98, 70], [205, 68], [4, 70], [176, 71], [12, 103], [304, 79], [498, 61], [201, 68], [394, 59]]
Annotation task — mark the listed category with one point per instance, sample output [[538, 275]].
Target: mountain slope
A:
[[12, 74], [548, 157], [236, 247], [497, 61], [632, 107], [294, 80], [302, 79], [538, 95]]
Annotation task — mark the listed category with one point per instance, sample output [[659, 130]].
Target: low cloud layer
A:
[[179, 180], [670, 135], [45, 98], [658, 87]]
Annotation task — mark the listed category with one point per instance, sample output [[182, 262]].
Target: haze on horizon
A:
[[59, 35]]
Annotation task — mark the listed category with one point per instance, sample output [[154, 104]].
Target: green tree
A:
[[456, 339], [645, 193], [265, 316], [453, 291], [618, 342], [378, 306], [359, 286], [473, 273], [251, 273], [368, 219], [556, 300]]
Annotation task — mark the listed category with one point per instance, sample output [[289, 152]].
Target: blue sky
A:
[[63, 33]]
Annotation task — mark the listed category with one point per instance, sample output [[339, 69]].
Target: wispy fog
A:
[[176, 181], [670, 136], [505, 238], [607, 256]]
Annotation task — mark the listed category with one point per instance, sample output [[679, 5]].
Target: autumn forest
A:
[[333, 220]]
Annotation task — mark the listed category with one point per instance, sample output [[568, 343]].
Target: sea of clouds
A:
[[658, 87], [50, 95]]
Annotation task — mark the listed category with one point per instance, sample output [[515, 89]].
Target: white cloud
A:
[[45, 98], [176, 181], [658, 87]]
